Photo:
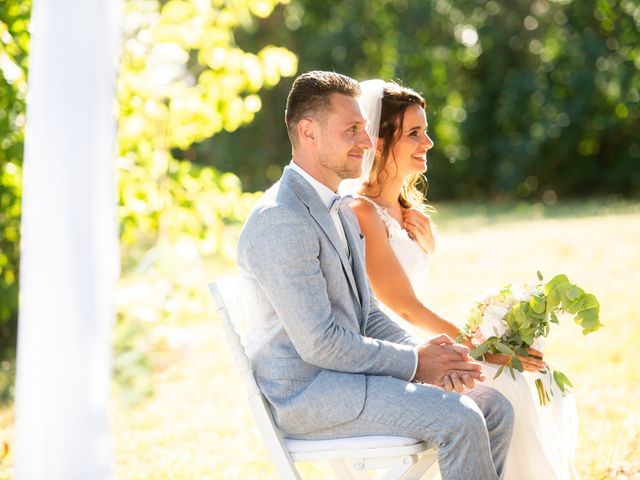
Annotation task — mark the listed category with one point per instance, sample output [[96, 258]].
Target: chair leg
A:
[[433, 472], [347, 469], [287, 469], [420, 470]]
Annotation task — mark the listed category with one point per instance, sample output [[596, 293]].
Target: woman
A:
[[399, 243]]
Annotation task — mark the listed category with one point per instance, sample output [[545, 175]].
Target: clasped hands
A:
[[447, 364]]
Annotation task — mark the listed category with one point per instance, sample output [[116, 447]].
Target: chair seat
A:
[[404, 457], [349, 443]]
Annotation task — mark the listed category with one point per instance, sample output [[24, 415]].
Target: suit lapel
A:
[[357, 254], [322, 217]]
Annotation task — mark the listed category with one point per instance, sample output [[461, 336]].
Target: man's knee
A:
[[504, 410], [465, 420], [497, 409]]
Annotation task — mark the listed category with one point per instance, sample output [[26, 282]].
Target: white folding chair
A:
[[403, 457]]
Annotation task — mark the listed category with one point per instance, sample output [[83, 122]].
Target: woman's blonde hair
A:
[[395, 101]]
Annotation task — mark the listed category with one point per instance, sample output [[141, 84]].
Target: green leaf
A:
[[589, 301], [480, 350], [574, 292], [539, 276], [589, 320], [571, 299], [555, 283], [553, 300], [506, 290], [538, 304], [520, 316], [515, 361], [562, 380], [498, 372], [502, 348]]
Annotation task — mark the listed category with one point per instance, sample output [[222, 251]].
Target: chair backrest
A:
[[235, 290]]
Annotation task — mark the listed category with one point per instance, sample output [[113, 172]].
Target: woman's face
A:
[[411, 147]]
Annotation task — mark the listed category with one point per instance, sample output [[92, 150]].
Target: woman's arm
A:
[[388, 279], [393, 288]]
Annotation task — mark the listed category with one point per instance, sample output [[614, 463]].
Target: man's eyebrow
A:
[[359, 121]]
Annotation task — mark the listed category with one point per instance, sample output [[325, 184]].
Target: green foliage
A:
[[527, 317], [14, 48], [532, 100], [182, 80]]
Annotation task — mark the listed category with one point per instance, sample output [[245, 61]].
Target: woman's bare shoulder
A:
[[371, 224], [365, 211]]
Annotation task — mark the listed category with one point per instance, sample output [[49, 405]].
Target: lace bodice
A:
[[414, 260]]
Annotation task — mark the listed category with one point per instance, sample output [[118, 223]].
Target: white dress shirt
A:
[[327, 196]]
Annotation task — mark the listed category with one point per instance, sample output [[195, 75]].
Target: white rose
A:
[[493, 319]]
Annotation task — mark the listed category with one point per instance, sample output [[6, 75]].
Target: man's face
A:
[[343, 139]]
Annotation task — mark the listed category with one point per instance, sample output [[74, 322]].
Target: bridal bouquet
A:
[[509, 320]]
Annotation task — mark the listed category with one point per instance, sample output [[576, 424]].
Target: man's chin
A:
[[351, 174]]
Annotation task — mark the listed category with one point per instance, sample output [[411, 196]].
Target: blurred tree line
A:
[[182, 79], [526, 99]]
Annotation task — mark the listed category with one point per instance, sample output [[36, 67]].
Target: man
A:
[[328, 360]]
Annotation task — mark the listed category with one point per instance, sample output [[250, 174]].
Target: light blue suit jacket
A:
[[324, 331]]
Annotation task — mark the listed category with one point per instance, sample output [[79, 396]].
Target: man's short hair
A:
[[310, 96]]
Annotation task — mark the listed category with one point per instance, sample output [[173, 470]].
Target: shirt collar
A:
[[327, 196]]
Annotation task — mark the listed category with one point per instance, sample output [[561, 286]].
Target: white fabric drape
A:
[[69, 260]]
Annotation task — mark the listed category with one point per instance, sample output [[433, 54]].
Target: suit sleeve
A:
[[281, 249], [379, 325]]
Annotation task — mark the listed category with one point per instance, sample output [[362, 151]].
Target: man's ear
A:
[[307, 130]]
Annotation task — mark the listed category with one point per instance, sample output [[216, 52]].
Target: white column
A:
[[69, 260]]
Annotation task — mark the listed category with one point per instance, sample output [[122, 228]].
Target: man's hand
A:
[[441, 357]]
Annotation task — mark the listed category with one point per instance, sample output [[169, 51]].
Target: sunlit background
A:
[[534, 110]]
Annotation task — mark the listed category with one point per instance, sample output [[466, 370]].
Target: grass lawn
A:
[[197, 424]]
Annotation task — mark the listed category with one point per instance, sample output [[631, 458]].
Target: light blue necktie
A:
[[337, 203]]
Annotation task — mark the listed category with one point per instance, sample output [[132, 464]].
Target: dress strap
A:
[[388, 220]]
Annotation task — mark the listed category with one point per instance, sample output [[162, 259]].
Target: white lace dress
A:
[[545, 437]]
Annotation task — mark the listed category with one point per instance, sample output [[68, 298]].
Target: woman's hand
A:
[[529, 364], [418, 226]]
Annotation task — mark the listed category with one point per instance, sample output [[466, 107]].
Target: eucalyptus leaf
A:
[[559, 375], [502, 348], [589, 320], [515, 361], [555, 282], [553, 300], [480, 350], [521, 351], [538, 304]]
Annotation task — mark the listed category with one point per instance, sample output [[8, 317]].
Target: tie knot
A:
[[338, 201]]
